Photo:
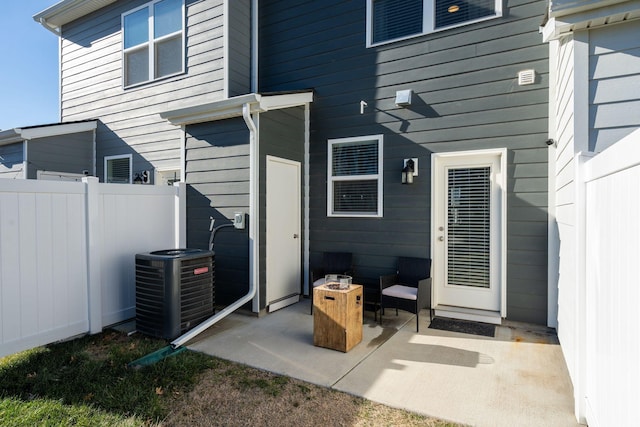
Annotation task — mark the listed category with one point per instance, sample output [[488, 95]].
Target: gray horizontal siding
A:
[[91, 79], [239, 48], [11, 160], [465, 97], [614, 84], [71, 153], [217, 177]]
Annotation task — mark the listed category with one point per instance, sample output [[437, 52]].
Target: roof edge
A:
[[66, 11]]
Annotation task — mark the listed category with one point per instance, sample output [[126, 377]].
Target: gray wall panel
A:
[[465, 97], [66, 153], [91, 82], [217, 176], [614, 84]]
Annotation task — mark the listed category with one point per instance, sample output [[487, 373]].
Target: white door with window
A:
[[468, 232], [283, 232]]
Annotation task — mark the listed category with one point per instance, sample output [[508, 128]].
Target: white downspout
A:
[[253, 241], [254, 46]]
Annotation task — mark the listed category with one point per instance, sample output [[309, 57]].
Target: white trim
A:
[[553, 238], [428, 22], [379, 177], [232, 107], [501, 181], [56, 130], [306, 250], [119, 156], [582, 15]]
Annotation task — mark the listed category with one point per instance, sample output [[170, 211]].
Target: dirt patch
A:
[[233, 395]]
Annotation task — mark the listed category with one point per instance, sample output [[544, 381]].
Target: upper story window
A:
[[390, 20], [153, 41], [354, 184]]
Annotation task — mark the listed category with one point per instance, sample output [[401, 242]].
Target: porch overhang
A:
[[11, 136], [63, 12], [567, 16], [232, 107]]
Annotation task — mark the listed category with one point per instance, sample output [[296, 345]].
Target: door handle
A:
[[441, 238], [295, 236]]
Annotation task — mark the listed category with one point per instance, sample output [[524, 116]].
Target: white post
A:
[[93, 223], [180, 215]]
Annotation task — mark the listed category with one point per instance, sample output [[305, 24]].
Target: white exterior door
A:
[[283, 232], [469, 229]]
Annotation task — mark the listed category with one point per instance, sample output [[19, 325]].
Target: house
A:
[[241, 98], [63, 151], [594, 96]]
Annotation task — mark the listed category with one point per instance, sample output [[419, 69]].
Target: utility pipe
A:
[[253, 278]]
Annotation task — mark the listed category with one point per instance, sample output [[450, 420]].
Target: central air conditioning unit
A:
[[175, 291]]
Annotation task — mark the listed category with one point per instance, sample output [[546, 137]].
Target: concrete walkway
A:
[[517, 378]]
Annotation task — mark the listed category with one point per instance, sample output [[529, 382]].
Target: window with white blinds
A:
[[469, 226], [390, 20], [117, 169], [354, 184]]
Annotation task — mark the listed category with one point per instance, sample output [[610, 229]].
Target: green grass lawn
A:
[[87, 382]]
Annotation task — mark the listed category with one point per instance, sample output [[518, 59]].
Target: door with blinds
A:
[[468, 229]]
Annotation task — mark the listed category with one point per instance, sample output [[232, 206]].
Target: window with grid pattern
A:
[[153, 41]]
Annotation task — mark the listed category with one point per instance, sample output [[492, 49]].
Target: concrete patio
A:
[[517, 378]]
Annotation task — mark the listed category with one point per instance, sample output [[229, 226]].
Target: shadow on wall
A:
[[231, 246]]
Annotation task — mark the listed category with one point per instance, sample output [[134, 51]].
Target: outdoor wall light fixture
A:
[[410, 170]]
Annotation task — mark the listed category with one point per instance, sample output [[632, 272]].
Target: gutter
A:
[[253, 246]]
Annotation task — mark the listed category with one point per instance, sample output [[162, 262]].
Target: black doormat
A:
[[463, 326]]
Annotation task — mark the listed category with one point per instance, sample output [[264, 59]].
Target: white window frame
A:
[[150, 44], [120, 156], [378, 177], [428, 22]]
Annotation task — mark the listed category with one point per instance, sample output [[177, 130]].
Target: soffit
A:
[[67, 11], [570, 15]]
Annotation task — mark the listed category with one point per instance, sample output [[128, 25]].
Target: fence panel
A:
[[612, 276], [67, 254], [43, 292], [135, 219]]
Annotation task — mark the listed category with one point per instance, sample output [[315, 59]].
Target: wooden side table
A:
[[337, 317]]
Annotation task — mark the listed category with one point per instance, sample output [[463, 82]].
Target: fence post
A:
[[93, 223], [180, 215]]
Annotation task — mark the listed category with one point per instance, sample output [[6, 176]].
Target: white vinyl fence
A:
[[611, 349], [67, 254]]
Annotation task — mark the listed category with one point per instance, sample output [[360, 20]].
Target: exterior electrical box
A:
[[175, 291]]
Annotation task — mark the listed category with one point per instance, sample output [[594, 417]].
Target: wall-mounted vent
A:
[[526, 77]]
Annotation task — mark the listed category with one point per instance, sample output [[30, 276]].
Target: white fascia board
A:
[[569, 7], [211, 111], [232, 107], [61, 129], [591, 15], [276, 102], [66, 11], [10, 136]]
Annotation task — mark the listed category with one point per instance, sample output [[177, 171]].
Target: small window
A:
[[117, 169], [153, 41], [354, 184], [390, 20]]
